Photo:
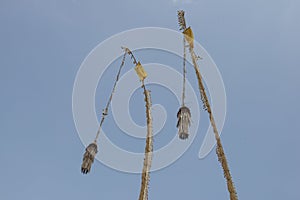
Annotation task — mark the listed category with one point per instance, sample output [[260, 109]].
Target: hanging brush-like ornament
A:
[[184, 122], [219, 150], [88, 158]]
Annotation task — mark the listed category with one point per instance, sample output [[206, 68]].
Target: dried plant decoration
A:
[[184, 122], [88, 158], [91, 150], [219, 150]]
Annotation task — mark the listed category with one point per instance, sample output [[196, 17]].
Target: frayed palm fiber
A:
[[148, 149], [184, 122], [88, 158]]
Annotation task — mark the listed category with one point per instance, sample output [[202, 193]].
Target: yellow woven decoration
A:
[[189, 36], [140, 71]]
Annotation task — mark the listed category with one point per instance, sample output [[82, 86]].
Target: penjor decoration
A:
[[92, 149], [189, 36]]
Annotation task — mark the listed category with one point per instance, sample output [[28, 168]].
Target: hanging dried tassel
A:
[[88, 158], [184, 121]]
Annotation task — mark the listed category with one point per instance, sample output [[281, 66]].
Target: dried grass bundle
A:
[[184, 122], [88, 158]]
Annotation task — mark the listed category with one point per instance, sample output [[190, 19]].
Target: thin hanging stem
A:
[[184, 72], [105, 111], [219, 150]]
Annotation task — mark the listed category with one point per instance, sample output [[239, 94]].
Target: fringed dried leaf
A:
[[88, 158], [184, 122]]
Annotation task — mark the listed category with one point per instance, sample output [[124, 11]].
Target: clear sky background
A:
[[255, 45]]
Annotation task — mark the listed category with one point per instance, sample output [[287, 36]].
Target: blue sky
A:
[[255, 45]]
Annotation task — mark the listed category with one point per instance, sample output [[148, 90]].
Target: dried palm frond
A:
[[88, 158], [184, 122]]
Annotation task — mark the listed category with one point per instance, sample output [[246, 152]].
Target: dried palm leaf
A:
[[184, 122], [88, 158]]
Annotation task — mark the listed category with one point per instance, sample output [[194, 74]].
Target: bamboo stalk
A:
[[148, 149]]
